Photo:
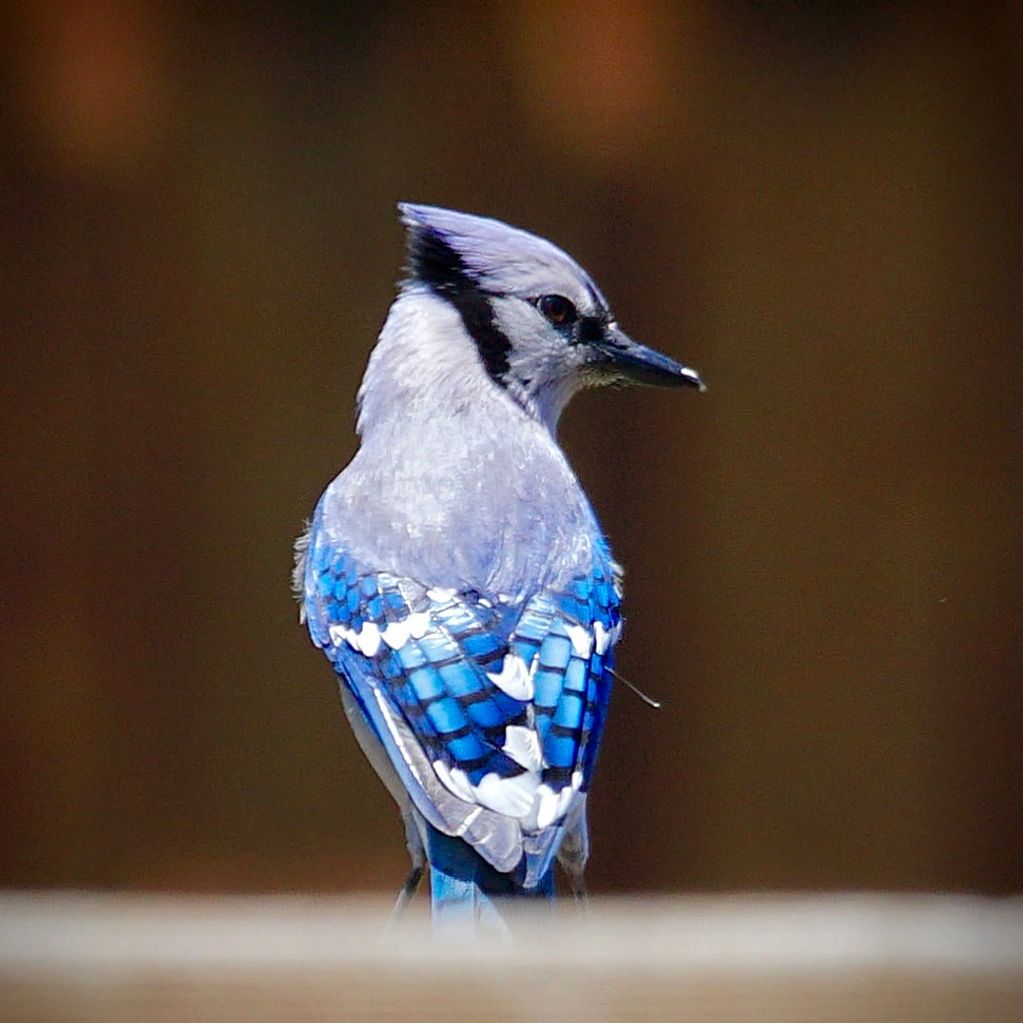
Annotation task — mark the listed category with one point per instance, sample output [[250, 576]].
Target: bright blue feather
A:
[[435, 685], [465, 889]]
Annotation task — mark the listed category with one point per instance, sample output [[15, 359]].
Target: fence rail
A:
[[114, 957]]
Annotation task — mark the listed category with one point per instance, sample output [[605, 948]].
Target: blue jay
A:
[[454, 573]]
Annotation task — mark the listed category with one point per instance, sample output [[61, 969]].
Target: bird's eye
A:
[[558, 309]]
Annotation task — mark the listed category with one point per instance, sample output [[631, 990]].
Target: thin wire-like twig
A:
[[648, 700]]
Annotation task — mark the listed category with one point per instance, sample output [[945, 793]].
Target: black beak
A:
[[619, 356]]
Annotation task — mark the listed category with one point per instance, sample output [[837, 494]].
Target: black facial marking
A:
[[435, 263], [589, 330], [478, 316]]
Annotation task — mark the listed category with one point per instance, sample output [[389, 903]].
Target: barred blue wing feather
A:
[[490, 712]]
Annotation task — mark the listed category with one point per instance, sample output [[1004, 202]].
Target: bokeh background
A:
[[820, 206]]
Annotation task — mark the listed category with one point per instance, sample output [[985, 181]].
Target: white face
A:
[[551, 333]]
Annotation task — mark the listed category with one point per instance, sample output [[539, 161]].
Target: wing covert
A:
[[491, 713]]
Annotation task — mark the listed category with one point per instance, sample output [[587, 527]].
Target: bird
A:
[[455, 574]]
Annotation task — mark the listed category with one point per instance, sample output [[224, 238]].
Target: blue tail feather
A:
[[467, 891]]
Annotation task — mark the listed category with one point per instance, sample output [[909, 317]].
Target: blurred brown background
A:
[[817, 205]]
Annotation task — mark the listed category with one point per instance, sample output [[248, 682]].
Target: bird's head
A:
[[541, 326]]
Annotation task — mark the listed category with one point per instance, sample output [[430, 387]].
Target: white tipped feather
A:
[[396, 634], [514, 678], [368, 639], [546, 807], [523, 746], [582, 640], [418, 624], [511, 796]]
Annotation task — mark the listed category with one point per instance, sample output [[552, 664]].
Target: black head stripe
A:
[[435, 263], [478, 317]]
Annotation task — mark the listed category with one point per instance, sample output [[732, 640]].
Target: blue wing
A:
[[490, 713]]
